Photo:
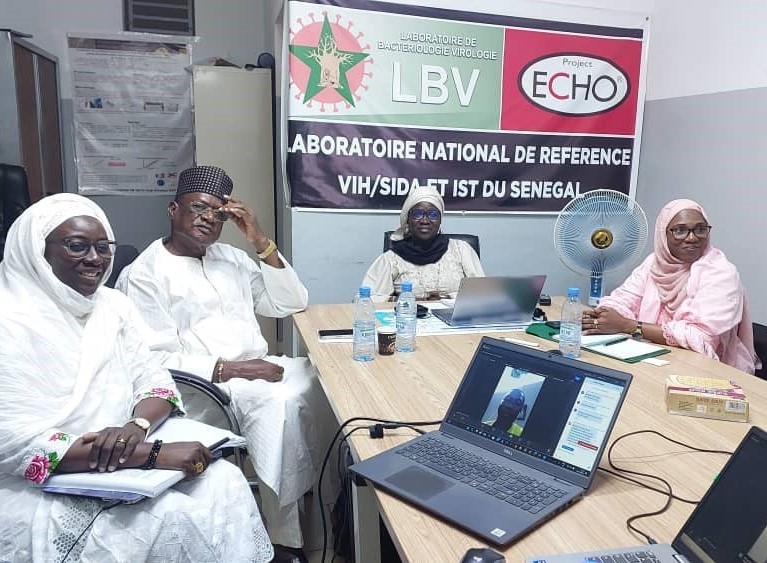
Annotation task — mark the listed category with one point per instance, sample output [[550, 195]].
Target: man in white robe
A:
[[200, 298]]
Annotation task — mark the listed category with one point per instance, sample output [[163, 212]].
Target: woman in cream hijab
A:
[[433, 262], [77, 386], [685, 294]]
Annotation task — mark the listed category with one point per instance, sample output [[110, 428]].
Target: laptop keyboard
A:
[[496, 480], [630, 557]]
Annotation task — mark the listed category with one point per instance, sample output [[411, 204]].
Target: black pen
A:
[[616, 341], [218, 444]]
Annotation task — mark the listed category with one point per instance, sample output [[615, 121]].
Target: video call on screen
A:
[[566, 415]]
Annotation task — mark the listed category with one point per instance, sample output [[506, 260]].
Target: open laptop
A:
[[494, 301], [729, 524], [531, 426]]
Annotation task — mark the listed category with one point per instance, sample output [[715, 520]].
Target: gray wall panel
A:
[[332, 251]]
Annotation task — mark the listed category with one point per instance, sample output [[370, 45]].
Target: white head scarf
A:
[[60, 338], [418, 195], [25, 273]]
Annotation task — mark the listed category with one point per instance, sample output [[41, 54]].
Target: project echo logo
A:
[[574, 84]]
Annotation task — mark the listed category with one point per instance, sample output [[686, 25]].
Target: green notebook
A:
[[629, 350]]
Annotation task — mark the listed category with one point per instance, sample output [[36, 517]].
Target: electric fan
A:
[[598, 232]]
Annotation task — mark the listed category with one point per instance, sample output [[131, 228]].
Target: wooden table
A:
[[420, 386]]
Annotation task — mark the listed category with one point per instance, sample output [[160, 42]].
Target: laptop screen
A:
[[499, 299], [558, 411], [730, 523]]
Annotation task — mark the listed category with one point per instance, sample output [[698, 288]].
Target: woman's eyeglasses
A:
[[681, 232], [79, 248], [417, 214], [200, 209]]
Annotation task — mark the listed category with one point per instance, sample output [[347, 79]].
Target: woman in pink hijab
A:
[[685, 294]]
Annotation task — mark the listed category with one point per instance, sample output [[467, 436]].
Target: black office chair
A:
[[473, 240], [760, 346], [199, 395], [14, 198], [124, 255]]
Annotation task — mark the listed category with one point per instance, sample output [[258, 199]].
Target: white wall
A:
[[706, 46]]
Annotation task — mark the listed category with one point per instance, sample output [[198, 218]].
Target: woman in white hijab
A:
[[421, 254], [77, 389]]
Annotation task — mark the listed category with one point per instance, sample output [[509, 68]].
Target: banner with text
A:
[[499, 113]]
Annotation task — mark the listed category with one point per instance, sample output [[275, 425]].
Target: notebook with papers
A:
[[493, 301], [520, 441], [133, 485], [729, 523]]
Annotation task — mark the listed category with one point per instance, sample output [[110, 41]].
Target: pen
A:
[[522, 342], [218, 444], [615, 341]]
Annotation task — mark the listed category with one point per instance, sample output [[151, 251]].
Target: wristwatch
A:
[[142, 423], [637, 333]]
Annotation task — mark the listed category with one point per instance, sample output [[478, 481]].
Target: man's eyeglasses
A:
[[681, 232], [199, 209], [79, 248], [417, 214]]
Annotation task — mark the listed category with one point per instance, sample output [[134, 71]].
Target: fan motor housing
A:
[[602, 238]]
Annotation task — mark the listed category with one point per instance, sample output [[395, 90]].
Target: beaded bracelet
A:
[[152, 459]]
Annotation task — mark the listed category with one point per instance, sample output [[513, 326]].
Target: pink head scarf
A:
[[668, 272]]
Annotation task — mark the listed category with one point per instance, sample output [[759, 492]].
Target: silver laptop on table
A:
[[493, 301], [729, 524], [520, 442]]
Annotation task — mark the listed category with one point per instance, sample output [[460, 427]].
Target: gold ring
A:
[[199, 467], [596, 322], [121, 440]]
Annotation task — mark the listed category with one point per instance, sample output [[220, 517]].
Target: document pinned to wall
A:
[[133, 119]]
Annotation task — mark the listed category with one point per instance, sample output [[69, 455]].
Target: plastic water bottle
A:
[[405, 311], [364, 347], [570, 325]]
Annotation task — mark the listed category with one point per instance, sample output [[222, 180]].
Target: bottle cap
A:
[[364, 291], [573, 292], [407, 286]]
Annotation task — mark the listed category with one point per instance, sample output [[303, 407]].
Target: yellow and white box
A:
[[706, 397]]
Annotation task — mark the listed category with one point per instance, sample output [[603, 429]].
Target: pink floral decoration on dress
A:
[[38, 469]]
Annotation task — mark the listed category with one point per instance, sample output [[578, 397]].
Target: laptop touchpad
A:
[[419, 482]]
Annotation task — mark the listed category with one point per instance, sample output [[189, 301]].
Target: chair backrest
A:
[[124, 255], [473, 240], [14, 197], [760, 346]]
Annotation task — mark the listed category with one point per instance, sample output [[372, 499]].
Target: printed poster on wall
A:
[[134, 128], [500, 113]]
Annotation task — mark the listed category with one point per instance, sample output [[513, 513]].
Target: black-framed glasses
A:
[[681, 232], [199, 209], [79, 248], [417, 214]]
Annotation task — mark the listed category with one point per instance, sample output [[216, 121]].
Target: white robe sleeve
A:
[[277, 292], [472, 267], [380, 278]]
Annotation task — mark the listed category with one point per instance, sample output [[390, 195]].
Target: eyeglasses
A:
[[681, 232], [79, 248], [417, 214], [199, 209]]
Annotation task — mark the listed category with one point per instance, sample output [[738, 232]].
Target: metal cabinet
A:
[[30, 122]]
